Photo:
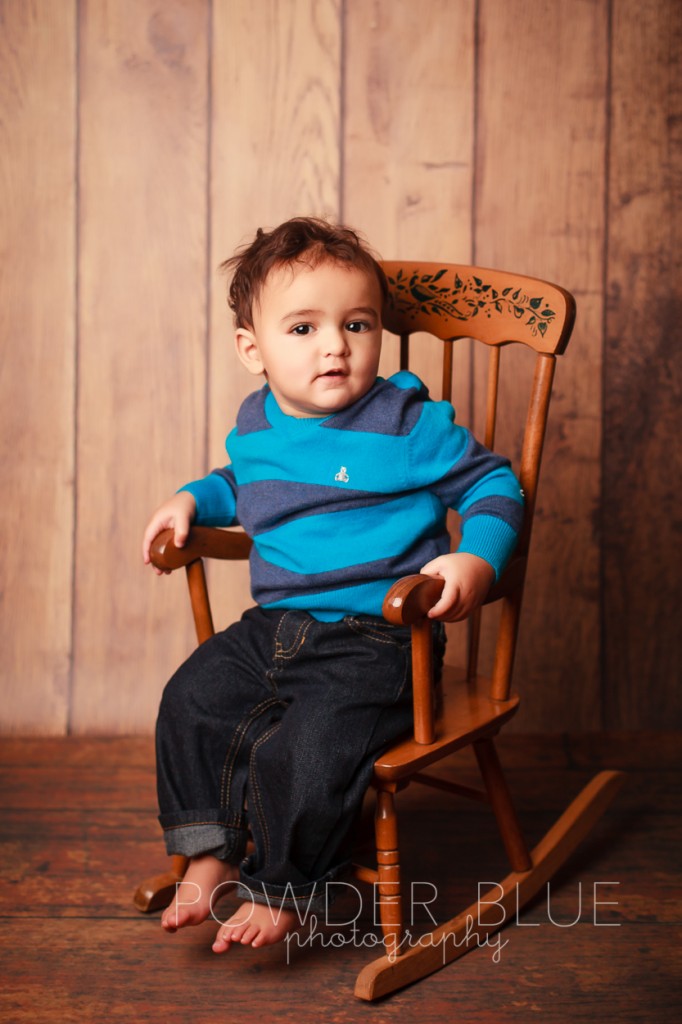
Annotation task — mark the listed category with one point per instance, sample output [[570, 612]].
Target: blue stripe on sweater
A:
[[489, 538], [332, 605], [275, 583], [436, 448], [215, 497], [459, 486], [392, 407], [373, 462], [325, 543], [266, 504], [508, 509]]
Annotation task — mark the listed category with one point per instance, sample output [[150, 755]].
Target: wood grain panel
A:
[[408, 156], [540, 210], [643, 388], [37, 328], [141, 413], [72, 945], [275, 154], [367, 110], [408, 140]]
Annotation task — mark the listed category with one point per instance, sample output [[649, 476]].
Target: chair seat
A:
[[468, 714]]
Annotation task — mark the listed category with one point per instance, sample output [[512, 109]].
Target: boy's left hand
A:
[[468, 579]]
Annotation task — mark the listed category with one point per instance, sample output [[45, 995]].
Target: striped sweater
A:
[[341, 507]]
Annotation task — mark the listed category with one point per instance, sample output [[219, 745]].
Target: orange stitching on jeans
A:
[[191, 824], [254, 782], [298, 641], [363, 630], [237, 738]]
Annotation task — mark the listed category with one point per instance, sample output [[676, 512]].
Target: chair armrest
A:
[[410, 598], [406, 604], [202, 542]]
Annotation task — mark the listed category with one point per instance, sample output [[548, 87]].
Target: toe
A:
[[169, 919], [250, 935], [222, 942], [237, 930]]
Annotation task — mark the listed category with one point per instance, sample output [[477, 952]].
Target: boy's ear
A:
[[248, 351]]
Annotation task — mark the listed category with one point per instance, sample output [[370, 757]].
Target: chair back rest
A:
[[496, 308]]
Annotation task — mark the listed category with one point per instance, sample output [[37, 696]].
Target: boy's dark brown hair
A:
[[307, 240]]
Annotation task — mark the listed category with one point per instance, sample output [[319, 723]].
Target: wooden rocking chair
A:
[[494, 308]]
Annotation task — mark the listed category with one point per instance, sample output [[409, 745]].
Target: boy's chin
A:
[[326, 406]]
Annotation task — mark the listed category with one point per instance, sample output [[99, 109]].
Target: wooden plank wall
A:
[[142, 333], [641, 524], [541, 150], [142, 141], [38, 366]]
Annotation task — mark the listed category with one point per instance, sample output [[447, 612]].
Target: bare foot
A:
[[256, 924], [197, 893]]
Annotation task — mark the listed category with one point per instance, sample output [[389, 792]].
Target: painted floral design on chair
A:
[[465, 299]]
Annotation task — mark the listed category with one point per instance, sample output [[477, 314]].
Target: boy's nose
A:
[[335, 343]]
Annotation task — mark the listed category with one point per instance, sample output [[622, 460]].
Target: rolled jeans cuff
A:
[[193, 838]]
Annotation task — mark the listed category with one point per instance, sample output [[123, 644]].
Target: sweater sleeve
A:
[[479, 484], [216, 498]]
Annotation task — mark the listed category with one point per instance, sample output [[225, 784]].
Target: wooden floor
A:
[[79, 831]]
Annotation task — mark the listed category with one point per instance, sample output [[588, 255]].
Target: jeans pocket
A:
[[379, 630]]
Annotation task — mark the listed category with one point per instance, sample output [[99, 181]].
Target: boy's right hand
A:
[[177, 514]]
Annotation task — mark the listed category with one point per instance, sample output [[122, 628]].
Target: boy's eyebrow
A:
[[367, 310], [298, 314]]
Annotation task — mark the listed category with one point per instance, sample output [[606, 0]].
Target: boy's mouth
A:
[[334, 373]]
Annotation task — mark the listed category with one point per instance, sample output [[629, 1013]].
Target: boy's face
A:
[[316, 335]]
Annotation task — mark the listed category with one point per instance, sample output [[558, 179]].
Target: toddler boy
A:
[[343, 480]]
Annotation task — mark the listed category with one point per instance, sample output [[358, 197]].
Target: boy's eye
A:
[[357, 326], [302, 329]]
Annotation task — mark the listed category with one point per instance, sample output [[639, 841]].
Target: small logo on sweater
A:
[[342, 475]]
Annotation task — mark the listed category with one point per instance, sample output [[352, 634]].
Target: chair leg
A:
[[470, 928], [388, 870], [179, 864], [157, 892], [501, 803]]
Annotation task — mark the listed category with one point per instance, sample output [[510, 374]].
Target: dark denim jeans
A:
[[272, 727]]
